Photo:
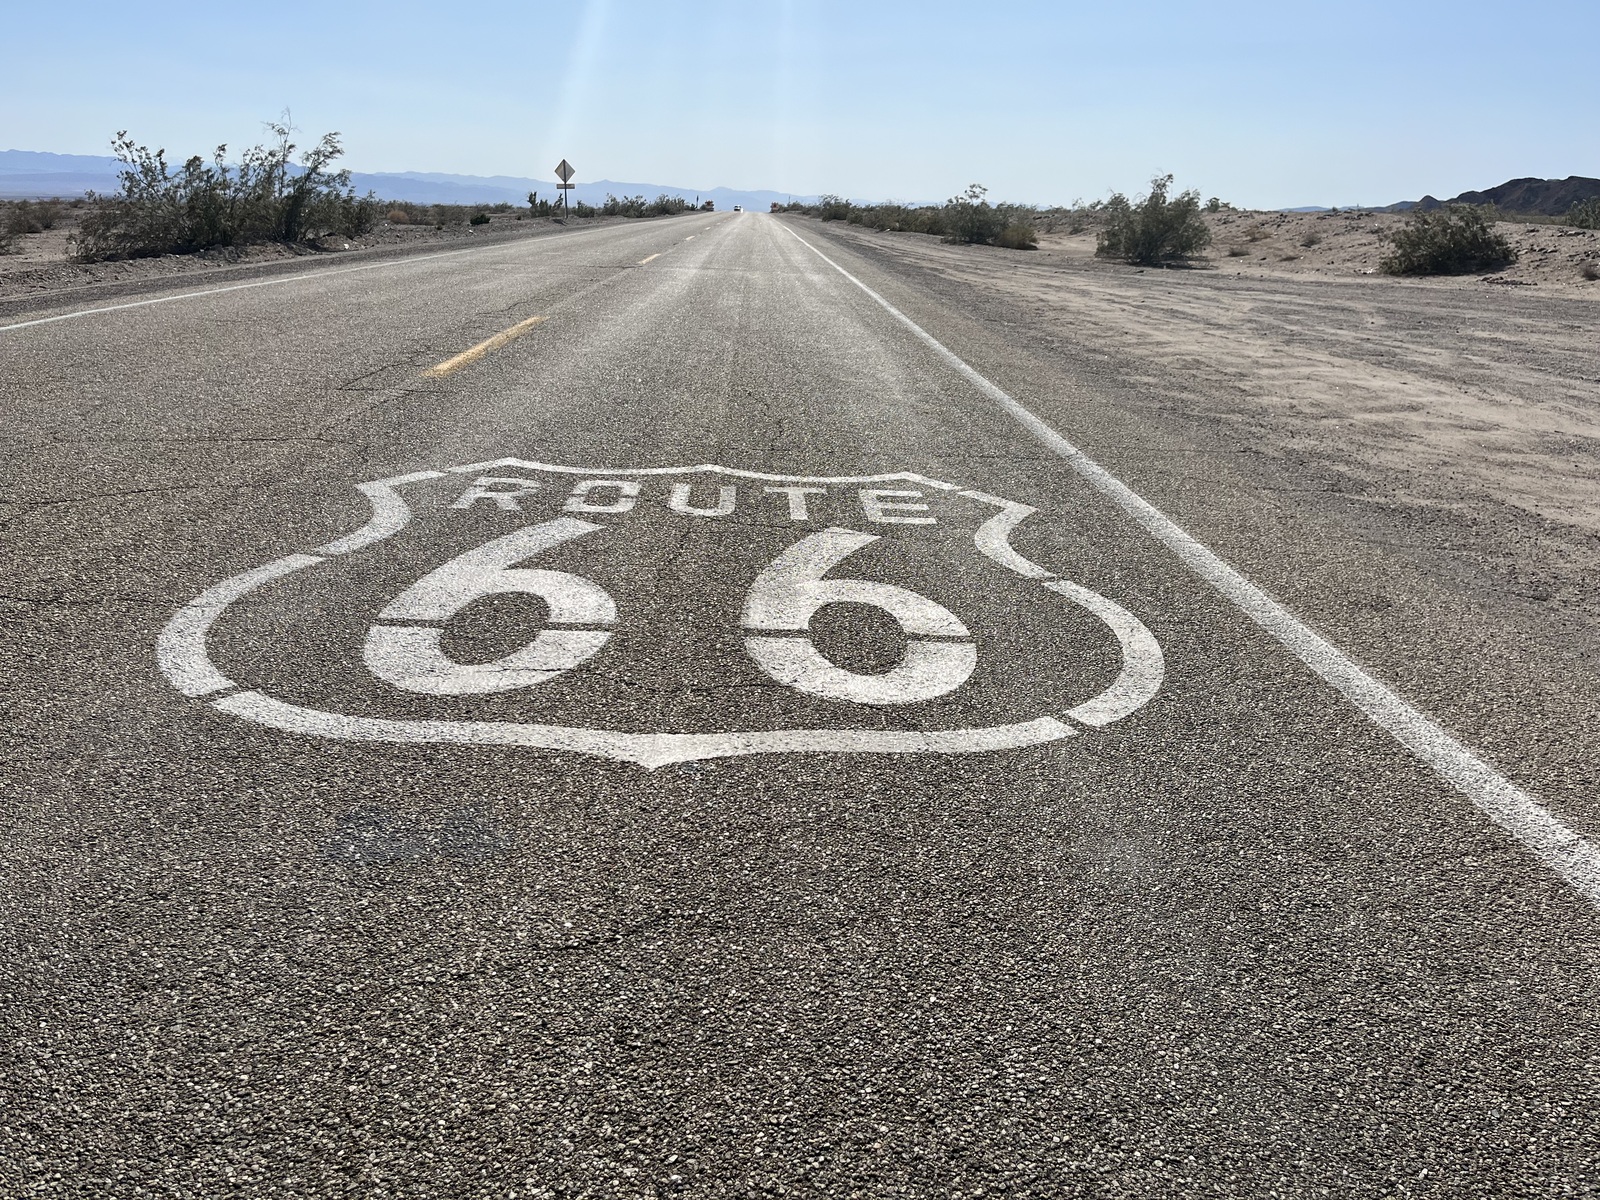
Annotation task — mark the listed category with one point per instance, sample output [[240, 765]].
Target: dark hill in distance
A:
[[1543, 197]]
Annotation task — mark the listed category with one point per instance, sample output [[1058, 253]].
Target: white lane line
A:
[[1519, 814], [234, 287], [274, 282]]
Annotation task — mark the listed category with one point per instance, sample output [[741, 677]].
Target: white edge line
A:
[[322, 273], [325, 273], [1555, 843]]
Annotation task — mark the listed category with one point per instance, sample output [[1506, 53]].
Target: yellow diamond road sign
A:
[[564, 172]]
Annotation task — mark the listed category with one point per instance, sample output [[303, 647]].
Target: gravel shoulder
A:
[[39, 269], [1434, 393]]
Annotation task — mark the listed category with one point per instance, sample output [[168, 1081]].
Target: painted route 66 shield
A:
[[667, 614]]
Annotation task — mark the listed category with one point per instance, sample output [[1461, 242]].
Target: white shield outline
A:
[[183, 659]]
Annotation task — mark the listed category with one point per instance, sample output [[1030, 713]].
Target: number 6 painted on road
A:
[[411, 657], [787, 595]]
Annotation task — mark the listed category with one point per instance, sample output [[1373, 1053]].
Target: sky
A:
[[1265, 105]]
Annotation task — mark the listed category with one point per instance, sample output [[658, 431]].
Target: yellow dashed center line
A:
[[642, 261], [467, 357]]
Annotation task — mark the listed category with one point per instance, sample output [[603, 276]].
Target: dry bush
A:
[[1447, 241], [1237, 252], [1257, 233], [31, 216], [971, 218], [398, 216], [833, 208], [1590, 271], [1018, 235], [967, 218], [265, 198], [1311, 239], [1153, 229]]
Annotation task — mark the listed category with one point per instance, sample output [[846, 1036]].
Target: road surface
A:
[[693, 708]]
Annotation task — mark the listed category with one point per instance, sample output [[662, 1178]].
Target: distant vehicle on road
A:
[[738, 208]]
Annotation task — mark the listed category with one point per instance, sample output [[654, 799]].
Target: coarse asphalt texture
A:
[[1234, 941]]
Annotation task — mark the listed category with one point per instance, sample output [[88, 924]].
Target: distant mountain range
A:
[[26, 174], [1545, 197]]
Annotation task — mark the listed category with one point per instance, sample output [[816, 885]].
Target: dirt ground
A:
[[1456, 410], [1342, 244]]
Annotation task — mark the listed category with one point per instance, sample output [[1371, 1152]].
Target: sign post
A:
[[564, 173]]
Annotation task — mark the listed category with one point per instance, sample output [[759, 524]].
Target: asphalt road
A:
[[740, 741]]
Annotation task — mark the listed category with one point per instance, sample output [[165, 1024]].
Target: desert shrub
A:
[[452, 214], [904, 218], [265, 197], [1585, 214], [1311, 239], [479, 218], [347, 215], [1446, 241], [1257, 233], [407, 212], [1237, 252], [1075, 217], [1153, 229], [637, 206], [31, 216], [971, 218], [833, 208], [1590, 271], [1018, 235], [582, 209], [968, 217], [627, 206]]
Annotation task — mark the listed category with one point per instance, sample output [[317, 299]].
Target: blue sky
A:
[[1266, 105]]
